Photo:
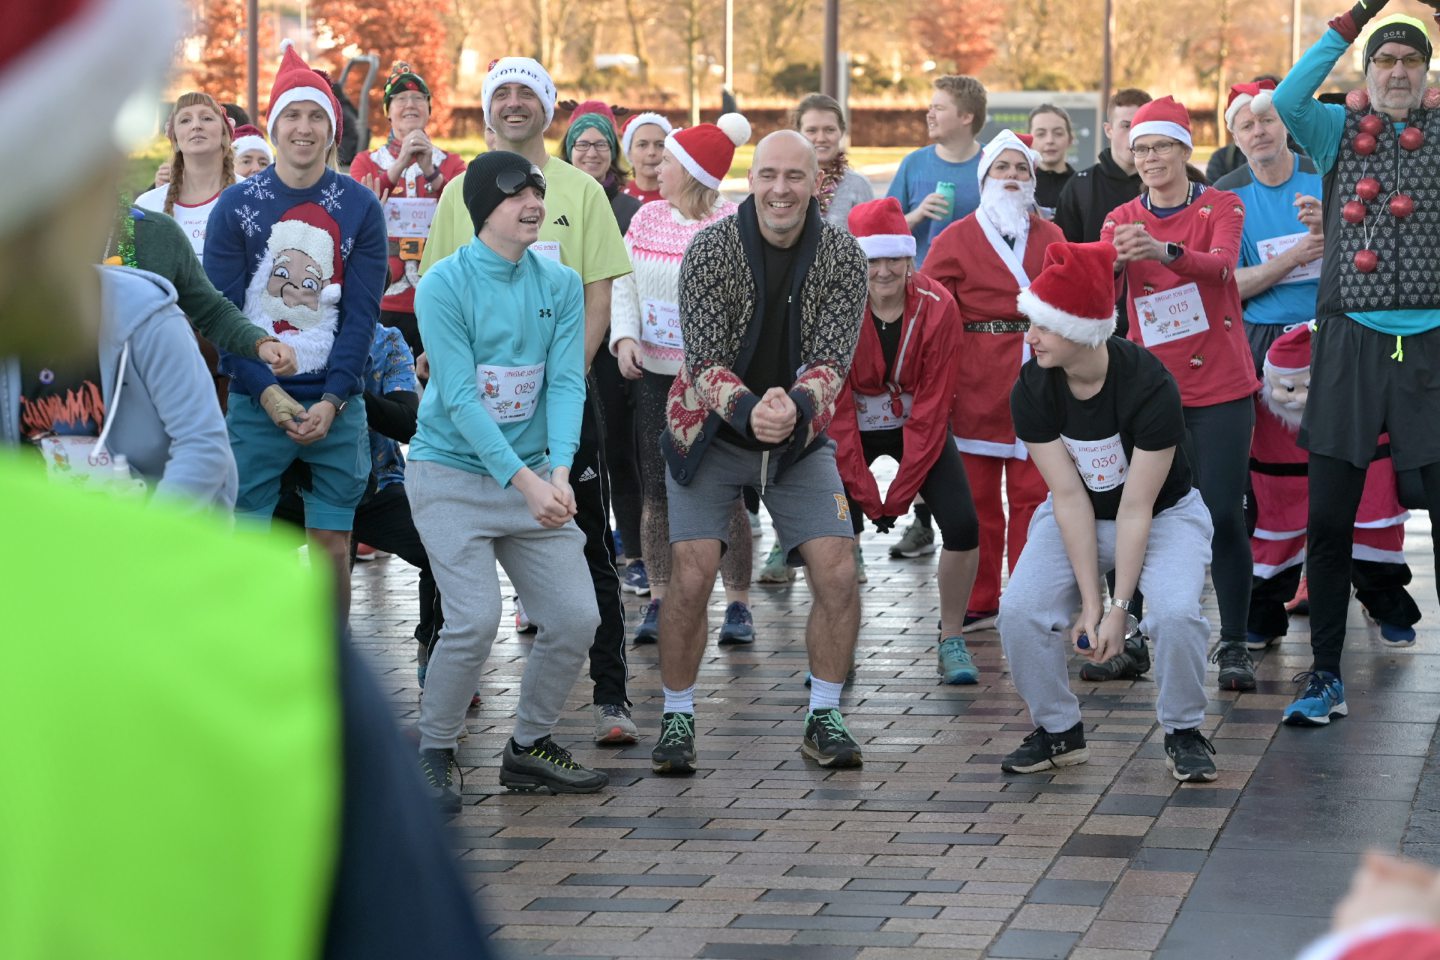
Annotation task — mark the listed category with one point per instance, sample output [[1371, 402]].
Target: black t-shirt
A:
[[889, 334], [1048, 185], [64, 400], [1139, 405], [771, 365]]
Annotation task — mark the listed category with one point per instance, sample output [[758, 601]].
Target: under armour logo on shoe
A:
[[588, 474], [561, 221]]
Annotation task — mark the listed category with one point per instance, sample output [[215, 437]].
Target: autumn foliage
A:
[[392, 30], [957, 34]]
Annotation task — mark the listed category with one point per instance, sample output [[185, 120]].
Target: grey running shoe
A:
[[1128, 664], [613, 724], [435, 767], [775, 570], [917, 541], [1237, 671], [546, 767]]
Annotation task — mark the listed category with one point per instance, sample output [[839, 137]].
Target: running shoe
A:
[[522, 622], [613, 724], [1258, 641], [916, 541], [979, 620], [956, 666], [635, 579], [1323, 700], [546, 767], [1237, 671], [739, 625], [1043, 750], [1395, 635], [649, 629], [1129, 664], [828, 742], [775, 569], [674, 753], [1187, 754], [860, 575], [435, 767]]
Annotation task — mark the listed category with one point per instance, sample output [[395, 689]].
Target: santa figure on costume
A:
[[985, 261], [295, 292], [1277, 475]]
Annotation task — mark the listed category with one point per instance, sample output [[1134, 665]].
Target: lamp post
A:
[[1107, 72], [830, 71], [252, 58]]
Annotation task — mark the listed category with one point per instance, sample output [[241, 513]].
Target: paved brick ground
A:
[[930, 851]]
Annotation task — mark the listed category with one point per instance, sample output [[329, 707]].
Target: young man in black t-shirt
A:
[[1101, 418]]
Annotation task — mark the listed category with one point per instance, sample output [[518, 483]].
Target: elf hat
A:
[[247, 138], [639, 120], [297, 82], [879, 227], [308, 228], [1002, 141], [708, 149], [1165, 117], [1074, 295], [127, 42], [402, 78], [521, 70], [1290, 353], [1245, 93]]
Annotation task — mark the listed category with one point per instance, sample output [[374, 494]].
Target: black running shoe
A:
[[546, 767], [435, 767], [1237, 670], [674, 754], [828, 742], [1043, 750], [1187, 754], [1129, 664]]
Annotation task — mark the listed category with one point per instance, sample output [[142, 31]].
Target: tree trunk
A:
[[637, 43]]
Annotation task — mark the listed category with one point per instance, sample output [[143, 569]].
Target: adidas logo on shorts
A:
[[588, 474]]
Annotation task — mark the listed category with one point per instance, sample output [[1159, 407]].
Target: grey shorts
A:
[[807, 503]]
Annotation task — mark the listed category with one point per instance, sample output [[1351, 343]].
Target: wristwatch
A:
[[337, 402], [1126, 605], [1173, 251]]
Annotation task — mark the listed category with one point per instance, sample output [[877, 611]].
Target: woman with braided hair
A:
[[201, 165]]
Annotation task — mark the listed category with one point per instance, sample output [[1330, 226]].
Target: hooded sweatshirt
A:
[[164, 423], [1090, 195]]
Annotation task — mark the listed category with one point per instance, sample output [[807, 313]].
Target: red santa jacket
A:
[[968, 260], [926, 371]]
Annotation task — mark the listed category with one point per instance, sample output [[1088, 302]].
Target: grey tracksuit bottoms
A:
[[1042, 600], [467, 523]]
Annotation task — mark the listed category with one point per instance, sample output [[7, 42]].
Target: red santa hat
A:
[[1074, 295], [308, 228], [1247, 93], [298, 82], [879, 227], [248, 137], [639, 120], [1290, 353], [1165, 117], [126, 43], [707, 149], [1002, 141]]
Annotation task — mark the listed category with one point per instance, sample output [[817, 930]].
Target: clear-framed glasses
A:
[[1411, 60], [1162, 149]]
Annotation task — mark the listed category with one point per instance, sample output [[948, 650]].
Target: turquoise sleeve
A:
[[565, 373], [1315, 126]]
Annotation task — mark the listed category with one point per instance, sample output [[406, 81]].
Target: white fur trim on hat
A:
[[1088, 331], [522, 70], [1004, 140], [638, 121], [1165, 128], [251, 142], [1234, 108], [310, 240], [677, 149], [884, 245], [301, 95]]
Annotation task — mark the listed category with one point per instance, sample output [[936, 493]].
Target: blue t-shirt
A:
[[391, 368], [916, 179], [1269, 214]]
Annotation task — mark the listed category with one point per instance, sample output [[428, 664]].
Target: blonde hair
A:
[[695, 200], [969, 96], [177, 159]]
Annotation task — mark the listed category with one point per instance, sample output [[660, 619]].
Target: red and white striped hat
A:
[[707, 149], [1165, 117]]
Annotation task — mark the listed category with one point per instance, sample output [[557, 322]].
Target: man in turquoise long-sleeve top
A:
[[489, 475], [1377, 349]]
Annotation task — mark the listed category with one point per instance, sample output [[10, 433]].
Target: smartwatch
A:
[[1173, 251], [336, 402]]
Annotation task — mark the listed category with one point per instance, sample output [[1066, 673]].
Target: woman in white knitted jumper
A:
[[645, 338]]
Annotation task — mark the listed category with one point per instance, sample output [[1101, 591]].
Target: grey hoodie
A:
[[167, 423]]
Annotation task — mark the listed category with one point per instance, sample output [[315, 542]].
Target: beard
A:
[[297, 315], [309, 331], [1009, 210]]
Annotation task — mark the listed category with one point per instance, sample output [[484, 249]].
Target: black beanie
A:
[[481, 194], [1399, 29]]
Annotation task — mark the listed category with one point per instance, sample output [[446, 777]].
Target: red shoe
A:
[[1300, 605]]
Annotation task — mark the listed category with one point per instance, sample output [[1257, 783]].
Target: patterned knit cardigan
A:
[[721, 312]]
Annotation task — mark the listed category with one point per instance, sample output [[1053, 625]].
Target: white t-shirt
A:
[[191, 219]]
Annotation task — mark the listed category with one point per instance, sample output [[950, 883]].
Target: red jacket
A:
[[1207, 355], [927, 373]]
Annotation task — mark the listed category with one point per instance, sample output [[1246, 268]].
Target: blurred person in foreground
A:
[[292, 778]]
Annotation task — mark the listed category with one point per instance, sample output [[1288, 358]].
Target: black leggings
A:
[[617, 414], [946, 489], [1218, 447]]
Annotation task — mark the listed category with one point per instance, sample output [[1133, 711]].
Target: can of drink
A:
[[946, 189]]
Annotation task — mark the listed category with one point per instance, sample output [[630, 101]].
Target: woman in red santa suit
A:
[[984, 261], [1177, 246], [896, 403]]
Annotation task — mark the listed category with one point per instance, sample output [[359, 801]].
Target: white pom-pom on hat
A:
[[736, 127], [286, 44], [1262, 102]]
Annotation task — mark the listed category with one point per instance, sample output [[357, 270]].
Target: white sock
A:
[[824, 694], [680, 701]]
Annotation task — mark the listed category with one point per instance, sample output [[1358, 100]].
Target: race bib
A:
[[1171, 315], [1273, 247], [1102, 463], [82, 462], [549, 249], [881, 411], [660, 325], [509, 393], [409, 216]]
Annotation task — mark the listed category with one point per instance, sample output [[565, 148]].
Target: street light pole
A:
[[252, 59], [1295, 14], [1107, 73], [830, 72]]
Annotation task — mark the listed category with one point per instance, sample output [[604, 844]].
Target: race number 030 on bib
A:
[[1102, 463]]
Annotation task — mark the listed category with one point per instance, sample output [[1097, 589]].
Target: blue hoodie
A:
[[167, 423]]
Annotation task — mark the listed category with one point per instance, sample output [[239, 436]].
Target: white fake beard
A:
[[1009, 210], [1285, 396], [317, 327]]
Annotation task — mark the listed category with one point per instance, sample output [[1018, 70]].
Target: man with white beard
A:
[[985, 260]]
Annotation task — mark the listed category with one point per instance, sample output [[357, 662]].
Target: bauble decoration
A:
[[1366, 261]]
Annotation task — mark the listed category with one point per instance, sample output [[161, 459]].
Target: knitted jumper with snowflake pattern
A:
[[722, 309], [658, 237]]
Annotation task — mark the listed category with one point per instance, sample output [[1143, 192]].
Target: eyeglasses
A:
[[1411, 60], [409, 98], [512, 181], [598, 146], [1162, 149]]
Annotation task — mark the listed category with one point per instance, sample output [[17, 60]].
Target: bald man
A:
[[770, 306]]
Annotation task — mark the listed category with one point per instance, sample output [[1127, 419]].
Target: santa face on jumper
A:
[[295, 292]]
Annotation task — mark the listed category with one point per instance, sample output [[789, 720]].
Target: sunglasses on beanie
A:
[[512, 181]]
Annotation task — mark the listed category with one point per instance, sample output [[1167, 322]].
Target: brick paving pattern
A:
[[930, 850]]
